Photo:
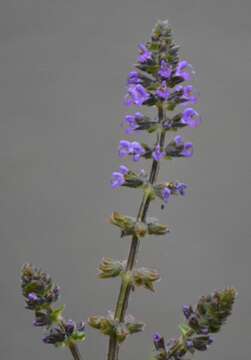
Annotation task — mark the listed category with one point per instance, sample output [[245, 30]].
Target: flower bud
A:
[[109, 268], [154, 228], [215, 308], [187, 311], [159, 342], [95, 321], [38, 288], [124, 222], [145, 277], [132, 325], [128, 225]]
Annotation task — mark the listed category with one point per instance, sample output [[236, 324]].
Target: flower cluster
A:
[[146, 278], [157, 81], [108, 325], [65, 333], [208, 316], [40, 293], [131, 226]]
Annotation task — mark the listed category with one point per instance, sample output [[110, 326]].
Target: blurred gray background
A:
[[63, 66]]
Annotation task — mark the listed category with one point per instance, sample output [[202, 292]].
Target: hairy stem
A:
[[75, 351], [125, 288], [72, 346]]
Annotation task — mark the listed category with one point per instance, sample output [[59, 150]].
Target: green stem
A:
[[126, 287], [71, 345], [74, 351]]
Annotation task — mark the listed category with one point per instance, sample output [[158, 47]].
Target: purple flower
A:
[[158, 154], [179, 141], [187, 150], [187, 311], [137, 95], [32, 297], [33, 301], [178, 148], [123, 169], [118, 177], [133, 78], [117, 180], [124, 148], [166, 192], [131, 120], [56, 335], [165, 70], [70, 326], [181, 189], [144, 55], [189, 344], [156, 337], [191, 118], [163, 92], [137, 151], [187, 94], [42, 319], [81, 324], [131, 148], [180, 70], [158, 341]]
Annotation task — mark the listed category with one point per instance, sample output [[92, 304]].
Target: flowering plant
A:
[[159, 81]]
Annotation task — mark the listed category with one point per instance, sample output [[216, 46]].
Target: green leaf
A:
[[184, 329], [78, 336], [56, 313]]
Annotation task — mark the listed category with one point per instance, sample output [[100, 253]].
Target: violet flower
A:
[[131, 121], [166, 192], [181, 70], [165, 70], [137, 95], [163, 92], [130, 148], [133, 78], [191, 118], [144, 55], [158, 154], [118, 177], [187, 94]]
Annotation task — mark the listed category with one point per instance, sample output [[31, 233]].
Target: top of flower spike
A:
[[207, 317], [156, 80], [40, 293]]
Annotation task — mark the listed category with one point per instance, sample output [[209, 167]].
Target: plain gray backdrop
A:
[[63, 66]]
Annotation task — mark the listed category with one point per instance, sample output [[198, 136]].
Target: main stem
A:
[[125, 288]]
